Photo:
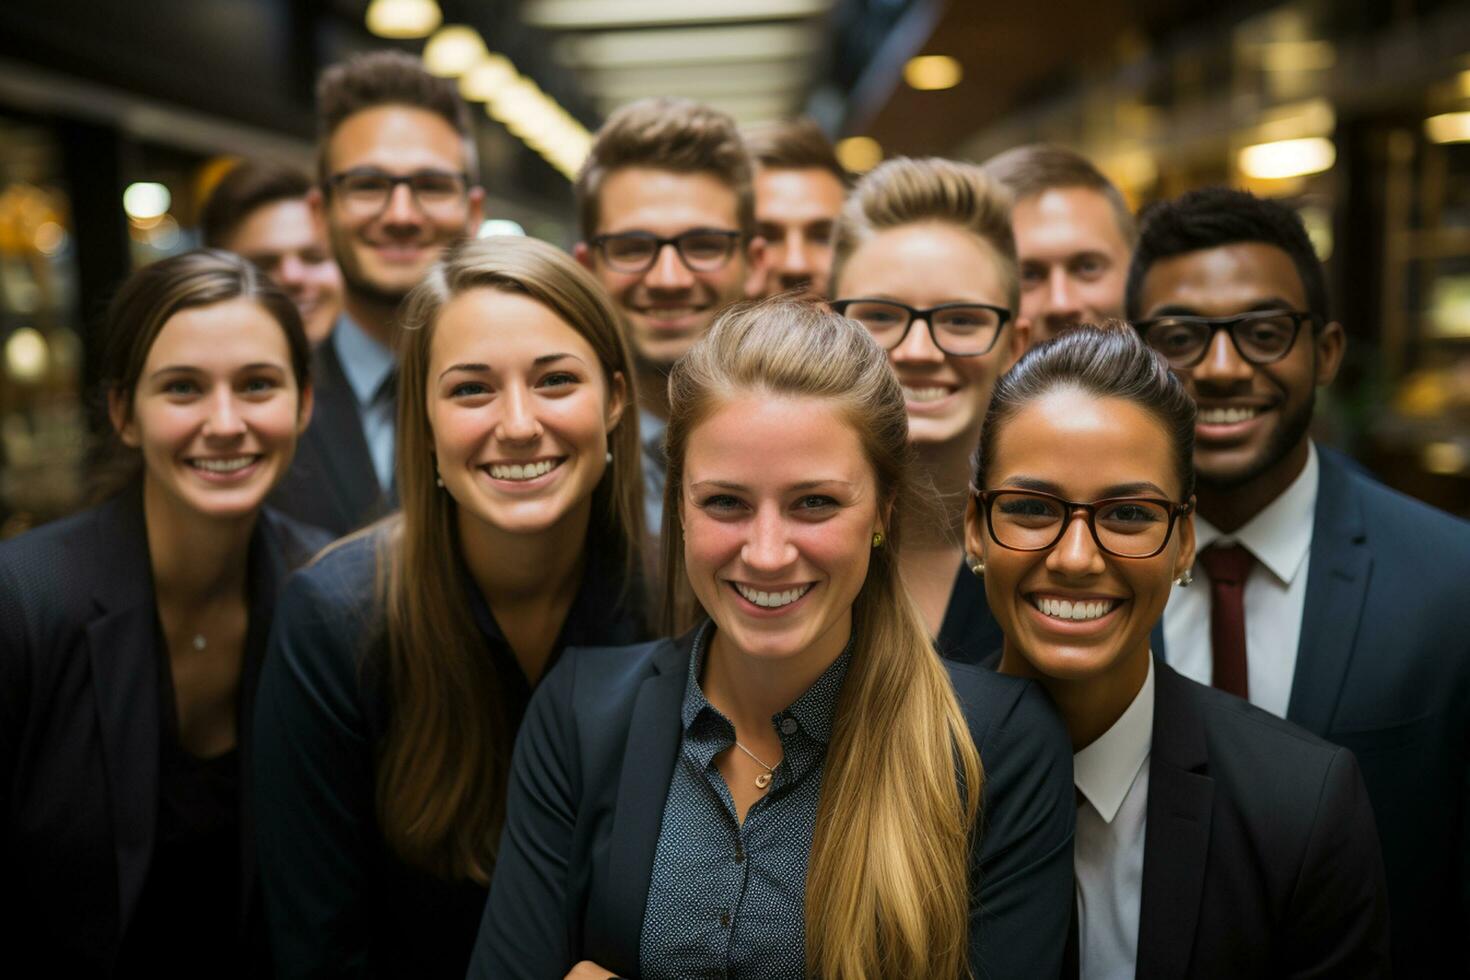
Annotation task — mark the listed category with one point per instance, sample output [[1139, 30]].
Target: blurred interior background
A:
[[117, 117]]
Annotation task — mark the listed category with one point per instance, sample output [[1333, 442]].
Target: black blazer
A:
[[1383, 668], [1260, 854], [338, 901], [970, 632], [331, 483], [79, 726], [591, 774]]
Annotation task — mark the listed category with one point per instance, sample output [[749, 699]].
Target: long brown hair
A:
[[444, 761], [888, 885]]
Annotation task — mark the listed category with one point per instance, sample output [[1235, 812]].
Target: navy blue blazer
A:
[[1383, 668], [591, 773], [79, 726]]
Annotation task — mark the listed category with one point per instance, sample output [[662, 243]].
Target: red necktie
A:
[[1227, 566]]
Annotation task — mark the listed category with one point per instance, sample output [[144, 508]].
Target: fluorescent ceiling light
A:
[[754, 108], [695, 83], [146, 200], [1449, 127], [403, 18], [1287, 158], [586, 14], [453, 50], [1297, 55], [488, 78], [688, 46]]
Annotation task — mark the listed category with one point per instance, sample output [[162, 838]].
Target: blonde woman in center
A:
[[797, 786], [925, 259]]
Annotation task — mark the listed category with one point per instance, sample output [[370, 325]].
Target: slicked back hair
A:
[[1039, 167], [677, 135], [1109, 360], [797, 144], [1213, 217], [381, 78]]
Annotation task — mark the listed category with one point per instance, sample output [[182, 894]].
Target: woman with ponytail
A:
[[797, 786], [404, 658]]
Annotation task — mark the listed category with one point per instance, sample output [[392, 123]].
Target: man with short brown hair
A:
[[799, 189], [398, 185], [668, 227], [1074, 236]]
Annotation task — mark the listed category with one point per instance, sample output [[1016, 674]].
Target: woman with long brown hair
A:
[[131, 638], [798, 786], [925, 259], [404, 657]]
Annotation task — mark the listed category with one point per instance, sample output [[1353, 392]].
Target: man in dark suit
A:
[[1321, 596], [397, 186]]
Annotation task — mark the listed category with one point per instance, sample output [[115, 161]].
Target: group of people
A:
[[976, 603]]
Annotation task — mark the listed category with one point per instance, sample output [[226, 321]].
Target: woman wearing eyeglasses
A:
[[924, 258], [1213, 839]]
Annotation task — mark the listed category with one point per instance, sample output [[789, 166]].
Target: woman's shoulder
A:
[[335, 596], [611, 672], [53, 569], [297, 541], [1016, 728], [991, 700]]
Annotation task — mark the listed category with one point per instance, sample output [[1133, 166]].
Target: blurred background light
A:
[[1448, 127], [932, 72], [26, 355], [859, 154], [146, 201], [403, 18], [49, 238], [486, 78], [585, 14], [453, 50], [1298, 56], [1287, 158], [500, 226]]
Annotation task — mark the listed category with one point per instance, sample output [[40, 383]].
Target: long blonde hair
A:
[[888, 882], [443, 765]]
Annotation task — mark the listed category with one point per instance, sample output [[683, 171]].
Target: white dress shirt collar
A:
[[1104, 771], [1280, 536]]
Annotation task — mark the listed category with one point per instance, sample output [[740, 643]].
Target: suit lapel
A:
[[1156, 642], [1177, 836], [643, 787], [125, 680], [337, 440], [1336, 583]]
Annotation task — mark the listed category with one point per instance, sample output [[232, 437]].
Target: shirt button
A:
[[725, 919], [789, 725]]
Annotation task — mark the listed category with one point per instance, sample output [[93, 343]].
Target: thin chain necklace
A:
[[764, 779]]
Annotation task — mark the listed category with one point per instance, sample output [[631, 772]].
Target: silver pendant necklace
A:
[[764, 779]]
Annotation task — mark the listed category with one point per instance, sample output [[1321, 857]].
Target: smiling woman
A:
[[133, 636], [800, 768], [1082, 527], [405, 657]]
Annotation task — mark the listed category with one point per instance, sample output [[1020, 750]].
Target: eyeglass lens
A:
[[1259, 339], [1127, 528], [432, 190], [956, 329], [703, 251]]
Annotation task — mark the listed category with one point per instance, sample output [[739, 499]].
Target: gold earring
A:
[[977, 567], [877, 539]]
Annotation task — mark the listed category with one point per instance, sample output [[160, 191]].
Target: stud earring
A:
[[977, 566], [1184, 579], [609, 457], [877, 539], [438, 480]]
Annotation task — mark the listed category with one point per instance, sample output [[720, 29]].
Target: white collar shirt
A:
[[1280, 539], [1111, 776], [367, 365]]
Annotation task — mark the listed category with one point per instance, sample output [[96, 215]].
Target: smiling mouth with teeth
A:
[[771, 600], [231, 465], [926, 394], [1227, 416], [1075, 611], [523, 471]]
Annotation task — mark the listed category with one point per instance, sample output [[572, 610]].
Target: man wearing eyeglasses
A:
[[396, 187], [1320, 595], [668, 227]]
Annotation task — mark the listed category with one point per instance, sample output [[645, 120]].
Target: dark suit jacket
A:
[[331, 483], [970, 633], [1383, 668], [79, 726], [591, 774], [1260, 853]]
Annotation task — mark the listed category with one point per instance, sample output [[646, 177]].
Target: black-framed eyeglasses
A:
[[961, 329], [368, 191], [700, 249], [1260, 336], [1127, 527]]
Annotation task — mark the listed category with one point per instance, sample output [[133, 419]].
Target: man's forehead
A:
[[397, 136], [1058, 212], [664, 201], [1237, 276]]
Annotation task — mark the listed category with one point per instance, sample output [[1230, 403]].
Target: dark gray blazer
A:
[[591, 773], [79, 726], [1383, 668]]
